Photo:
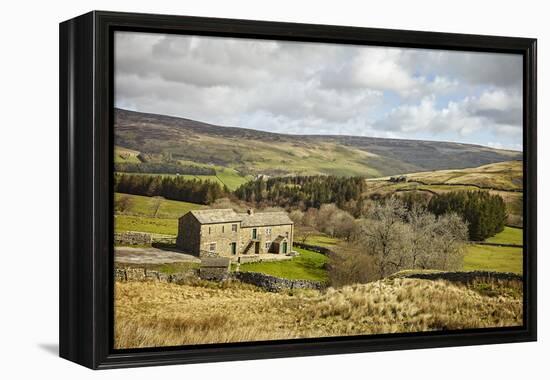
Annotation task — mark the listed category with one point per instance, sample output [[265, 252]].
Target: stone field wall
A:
[[133, 238], [465, 277], [276, 284]]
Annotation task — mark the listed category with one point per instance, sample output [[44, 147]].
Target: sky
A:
[[314, 88]]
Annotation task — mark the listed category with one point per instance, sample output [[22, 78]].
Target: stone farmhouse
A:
[[224, 232]]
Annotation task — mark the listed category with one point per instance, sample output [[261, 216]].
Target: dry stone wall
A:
[[465, 277], [133, 238], [315, 248], [276, 284], [141, 274]]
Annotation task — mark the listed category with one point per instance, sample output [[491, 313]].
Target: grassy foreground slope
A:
[[149, 314]]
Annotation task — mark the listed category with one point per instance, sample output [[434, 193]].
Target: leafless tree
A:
[[351, 265], [386, 236], [422, 225], [297, 216], [155, 205], [123, 204], [451, 237], [344, 225]]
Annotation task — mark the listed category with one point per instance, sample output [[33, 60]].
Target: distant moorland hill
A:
[[252, 152]]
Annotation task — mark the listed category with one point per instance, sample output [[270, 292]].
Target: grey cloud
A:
[[292, 87], [496, 69]]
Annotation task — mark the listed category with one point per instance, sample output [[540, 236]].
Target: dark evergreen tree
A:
[[485, 213], [303, 191], [175, 188]]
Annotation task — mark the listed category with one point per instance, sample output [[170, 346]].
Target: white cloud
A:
[[297, 87], [499, 100], [487, 113], [499, 145], [384, 69]]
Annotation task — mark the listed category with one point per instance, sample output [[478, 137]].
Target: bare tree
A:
[[305, 235], [386, 236], [297, 216], [310, 217], [325, 218], [123, 204], [155, 205], [344, 225], [451, 237], [423, 225], [351, 265]]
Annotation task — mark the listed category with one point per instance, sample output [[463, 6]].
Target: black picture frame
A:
[[86, 159]]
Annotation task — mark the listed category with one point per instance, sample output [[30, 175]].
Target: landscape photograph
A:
[[274, 190]]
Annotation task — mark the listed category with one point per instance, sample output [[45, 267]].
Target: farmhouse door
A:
[[285, 247], [257, 247], [233, 248]]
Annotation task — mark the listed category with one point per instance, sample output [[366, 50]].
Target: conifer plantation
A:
[[485, 213], [304, 191], [174, 188]]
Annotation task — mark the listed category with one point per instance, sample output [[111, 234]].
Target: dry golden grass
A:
[[151, 314]]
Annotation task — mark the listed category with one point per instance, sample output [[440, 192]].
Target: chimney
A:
[[250, 211]]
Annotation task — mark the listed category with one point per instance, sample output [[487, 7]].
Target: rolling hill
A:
[[502, 178], [252, 152]]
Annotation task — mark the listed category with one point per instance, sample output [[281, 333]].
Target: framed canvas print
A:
[[237, 189]]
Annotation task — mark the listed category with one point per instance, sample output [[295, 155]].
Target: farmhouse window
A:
[[267, 244], [286, 234], [268, 231], [223, 229], [212, 247], [209, 230], [234, 227]]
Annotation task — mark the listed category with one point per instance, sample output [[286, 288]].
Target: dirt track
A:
[[151, 256]]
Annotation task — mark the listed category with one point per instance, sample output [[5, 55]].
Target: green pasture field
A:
[[492, 258], [147, 206], [307, 266], [510, 235]]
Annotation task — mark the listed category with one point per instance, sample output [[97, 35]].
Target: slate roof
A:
[[216, 216], [279, 239], [227, 215], [259, 219]]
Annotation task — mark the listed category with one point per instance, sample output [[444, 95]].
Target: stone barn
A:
[[224, 232]]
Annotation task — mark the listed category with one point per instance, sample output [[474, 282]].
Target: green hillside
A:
[[149, 214], [253, 152], [506, 176], [503, 178]]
